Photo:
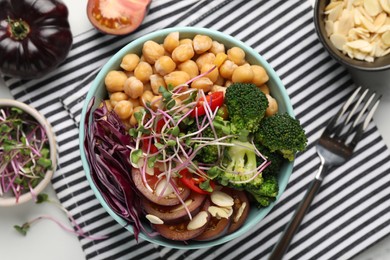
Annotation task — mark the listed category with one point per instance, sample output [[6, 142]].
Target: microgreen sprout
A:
[[44, 198], [24, 153]]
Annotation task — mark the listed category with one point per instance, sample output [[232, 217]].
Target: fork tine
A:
[[371, 107], [333, 122]]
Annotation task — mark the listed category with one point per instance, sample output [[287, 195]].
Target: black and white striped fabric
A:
[[352, 209]]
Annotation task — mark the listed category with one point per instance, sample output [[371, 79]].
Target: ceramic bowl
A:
[[98, 91], [370, 74], [10, 200]]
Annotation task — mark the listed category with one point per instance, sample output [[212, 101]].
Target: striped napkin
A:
[[351, 211]]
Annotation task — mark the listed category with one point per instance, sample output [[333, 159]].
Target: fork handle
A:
[[284, 242]]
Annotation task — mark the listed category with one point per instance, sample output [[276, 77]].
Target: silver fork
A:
[[334, 148]]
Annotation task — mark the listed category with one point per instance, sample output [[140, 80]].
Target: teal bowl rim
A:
[[112, 62]]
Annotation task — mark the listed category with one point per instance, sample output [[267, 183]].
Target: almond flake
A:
[[386, 38], [338, 40], [335, 13], [372, 7], [385, 4], [358, 44], [329, 28]]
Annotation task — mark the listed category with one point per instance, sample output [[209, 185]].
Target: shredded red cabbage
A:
[[107, 148]]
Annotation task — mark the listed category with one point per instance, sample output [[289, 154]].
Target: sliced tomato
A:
[[215, 100], [117, 17], [193, 182]]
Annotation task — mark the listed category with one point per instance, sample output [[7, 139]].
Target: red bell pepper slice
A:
[[215, 100], [192, 182]]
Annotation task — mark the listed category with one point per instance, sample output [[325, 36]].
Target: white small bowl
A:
[[11, 201]]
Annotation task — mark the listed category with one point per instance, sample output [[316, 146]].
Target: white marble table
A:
[[46, 241]]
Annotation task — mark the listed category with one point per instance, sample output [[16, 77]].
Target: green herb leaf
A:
[[135, 156], [206, 186], [44, 162], [42, 197], [22, 229]]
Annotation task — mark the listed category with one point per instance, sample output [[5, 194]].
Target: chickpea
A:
[[190, 67], [220, 81], [264, 88], [182, 53], [146, 97], [205, 58], [171, 41], [156, 102], [135, 102], [143, 71], [202, 43], [117, 96], [243, 73], [217, 48], [213, 75], [156, 81], [237, 55], [260, 75], [152, 51], [124, 109], [133, 87], [130, 61], [272, 106], [133, 121], [203, 83], [185, 41], [227, 68], [176, 78], [115, 80], [164, 65]]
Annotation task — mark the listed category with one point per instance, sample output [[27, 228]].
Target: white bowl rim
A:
[[10, 201]]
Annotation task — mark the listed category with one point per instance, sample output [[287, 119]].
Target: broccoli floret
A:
[[209, 153], [282, 133], [246, 105], [267, 192], [238, 166], [276, 159]]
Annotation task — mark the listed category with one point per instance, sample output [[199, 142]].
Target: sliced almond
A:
[[239, 212], [220, 212], [329, 28], [368, 24], [335, 13], [384, 28], [221, 199], [332, 5], [154, 219], [380, 20], [386, 38], [358, 44], [346, 23], [385, 4], [164, 189], [338, 40], [372, 7], [198, 221]]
